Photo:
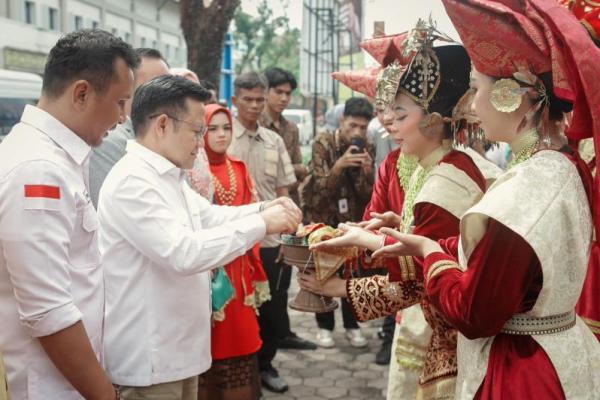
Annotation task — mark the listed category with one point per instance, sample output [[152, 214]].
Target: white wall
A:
[[146, 8], [14, 33]]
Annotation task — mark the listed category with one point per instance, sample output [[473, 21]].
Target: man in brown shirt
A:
[[279, 94], [341, 176], [263, 151], [338, 189]]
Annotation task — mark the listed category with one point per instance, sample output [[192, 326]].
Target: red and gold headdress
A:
[[408, 63], [588, 13], [505, 36]]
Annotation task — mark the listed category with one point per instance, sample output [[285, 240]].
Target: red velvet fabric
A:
[[388, 194]]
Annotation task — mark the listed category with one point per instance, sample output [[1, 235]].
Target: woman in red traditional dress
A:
[[511, 283], [235, 333], [442, 186]]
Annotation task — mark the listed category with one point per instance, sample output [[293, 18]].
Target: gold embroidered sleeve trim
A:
[[440, 266], [375, 297], [407, 268], [592, 324]]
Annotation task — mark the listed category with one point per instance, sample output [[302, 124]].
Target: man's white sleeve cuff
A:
[[53, 321]]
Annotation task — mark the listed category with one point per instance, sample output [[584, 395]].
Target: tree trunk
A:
[[204, 29]]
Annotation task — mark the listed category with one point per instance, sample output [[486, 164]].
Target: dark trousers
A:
[[327, 320], [273, 316], [388, 327]]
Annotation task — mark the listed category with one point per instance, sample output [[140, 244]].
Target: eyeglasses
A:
[[200, 130]]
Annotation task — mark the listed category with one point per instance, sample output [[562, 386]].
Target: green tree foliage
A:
[[266, 41]]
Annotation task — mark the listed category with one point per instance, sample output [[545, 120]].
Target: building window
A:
[[53, 19], [30, 12], [142, 42], [127, 37], [154, 44], [167, 51], [95, 24], [113, 31], [78, 22]]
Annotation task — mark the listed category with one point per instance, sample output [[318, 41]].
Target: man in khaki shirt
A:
[[265, 154], [279, 94]]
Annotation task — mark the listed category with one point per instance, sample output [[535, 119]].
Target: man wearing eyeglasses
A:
[[160, 239], [112, 149]]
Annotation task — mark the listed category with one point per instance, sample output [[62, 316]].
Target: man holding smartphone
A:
[[338, 190]]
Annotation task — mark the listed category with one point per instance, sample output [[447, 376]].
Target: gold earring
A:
[[506, 95]]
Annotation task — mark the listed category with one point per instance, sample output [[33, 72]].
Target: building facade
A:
[[29, 28]]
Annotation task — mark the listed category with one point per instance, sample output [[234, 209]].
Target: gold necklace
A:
[[533, 139], [416, 184], [405, 166], [226, 197]]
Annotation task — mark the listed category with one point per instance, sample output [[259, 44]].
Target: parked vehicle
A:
[[17, 89], [304, 120]]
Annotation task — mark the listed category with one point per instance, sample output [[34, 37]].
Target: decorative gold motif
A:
[[375, 297], [439, 389], [226, 197], [593, 325], [407, 266], [409, 355], [388, 81], [529, 142], [406, 166], [506, 95], [440, 266]]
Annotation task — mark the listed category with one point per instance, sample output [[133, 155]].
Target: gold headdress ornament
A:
[[416, 73], [507, 96], [387, 84]]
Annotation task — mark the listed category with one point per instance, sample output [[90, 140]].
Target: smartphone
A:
[[358, 142]]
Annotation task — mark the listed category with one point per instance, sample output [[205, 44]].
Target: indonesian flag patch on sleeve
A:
[[41, 197]]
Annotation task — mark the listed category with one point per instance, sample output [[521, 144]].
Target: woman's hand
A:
[[333, 287], [408, 245], [388, 219], [351, 236]]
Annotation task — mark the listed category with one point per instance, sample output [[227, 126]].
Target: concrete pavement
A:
[[342, 372]]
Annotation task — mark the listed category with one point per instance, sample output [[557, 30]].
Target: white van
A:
[[17, 89], [302, 118]]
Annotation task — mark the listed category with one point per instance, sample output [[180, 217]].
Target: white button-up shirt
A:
[[159, 239], [50, 271]]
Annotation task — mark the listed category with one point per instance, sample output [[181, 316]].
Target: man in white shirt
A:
[[152, 64], [160, 240], [51, 279]]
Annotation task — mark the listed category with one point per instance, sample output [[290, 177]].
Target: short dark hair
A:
[[148, 52], [88, 54], [208, 84], [249, 80], [164, 95], [358, 107], [277, 76]]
